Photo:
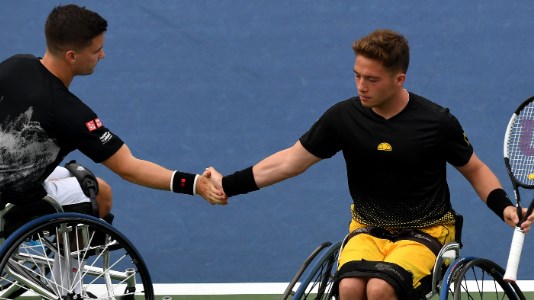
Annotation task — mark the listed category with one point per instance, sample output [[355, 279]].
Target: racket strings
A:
[[521, 145]]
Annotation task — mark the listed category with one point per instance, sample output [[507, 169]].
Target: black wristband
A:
[[241, 182], [497, 201], [183, 183]]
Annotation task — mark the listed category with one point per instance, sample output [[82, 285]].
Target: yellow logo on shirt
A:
[[384, 147]]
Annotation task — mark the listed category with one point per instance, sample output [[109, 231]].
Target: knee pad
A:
[[396, 276]]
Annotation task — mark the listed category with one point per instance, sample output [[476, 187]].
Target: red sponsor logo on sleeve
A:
[[91, 125], [94, 124]]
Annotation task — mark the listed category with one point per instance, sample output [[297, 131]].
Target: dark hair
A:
[[72, 26], [386, 46]]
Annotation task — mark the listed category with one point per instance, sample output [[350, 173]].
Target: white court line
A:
[[252, 288], [257, 288]]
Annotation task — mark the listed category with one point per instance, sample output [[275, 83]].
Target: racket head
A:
[[519, 145]]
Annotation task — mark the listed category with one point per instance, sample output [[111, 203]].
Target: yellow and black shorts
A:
[[401, 257]]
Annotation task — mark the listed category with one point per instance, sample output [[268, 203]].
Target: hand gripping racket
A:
[[519, 161]]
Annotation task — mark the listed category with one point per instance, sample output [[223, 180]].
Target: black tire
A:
[[303, 268], [479, 278], [319, 281], [111, 264]]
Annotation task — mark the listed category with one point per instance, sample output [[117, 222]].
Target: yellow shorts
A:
[[412, 256]]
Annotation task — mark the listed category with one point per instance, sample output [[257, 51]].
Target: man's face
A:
[[376, 86], [88, 57]]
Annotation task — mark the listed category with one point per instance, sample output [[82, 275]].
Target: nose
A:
[[102, 54], [360, 85]]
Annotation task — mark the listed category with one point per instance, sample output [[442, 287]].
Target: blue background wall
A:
[[189, 84]]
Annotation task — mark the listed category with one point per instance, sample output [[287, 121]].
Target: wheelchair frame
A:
[[97, 261], [452, 275]]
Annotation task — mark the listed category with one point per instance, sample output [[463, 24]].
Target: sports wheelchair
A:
[[453, 276], [67, 255]]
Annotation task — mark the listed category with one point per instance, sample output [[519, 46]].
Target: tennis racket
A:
[[519, 161]]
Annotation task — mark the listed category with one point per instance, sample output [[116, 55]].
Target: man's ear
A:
[[400, 79], [70, 57]]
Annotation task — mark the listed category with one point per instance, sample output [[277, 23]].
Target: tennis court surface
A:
[[189, 84]]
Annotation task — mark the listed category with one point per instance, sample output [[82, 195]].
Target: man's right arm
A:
[[280, 166], [284, 164], [152, 175]]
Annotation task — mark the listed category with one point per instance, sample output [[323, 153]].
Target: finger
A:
[[220, 201]]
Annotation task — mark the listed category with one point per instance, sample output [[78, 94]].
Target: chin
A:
[[366, 104]]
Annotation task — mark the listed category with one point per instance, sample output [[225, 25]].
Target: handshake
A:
[[209, 186], [216, 189]]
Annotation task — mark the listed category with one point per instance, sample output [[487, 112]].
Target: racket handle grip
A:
[[515, 255]]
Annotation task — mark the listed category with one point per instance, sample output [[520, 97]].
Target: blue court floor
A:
[[190, 84]]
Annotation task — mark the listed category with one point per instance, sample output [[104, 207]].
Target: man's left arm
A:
[[489, 189]]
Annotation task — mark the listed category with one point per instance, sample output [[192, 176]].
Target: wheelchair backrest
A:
[[458, 225]]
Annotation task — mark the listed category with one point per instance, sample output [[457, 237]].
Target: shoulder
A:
[[426, 104], [19, 64], [346, 106], [425, 107], [21, 59], [69, 104]]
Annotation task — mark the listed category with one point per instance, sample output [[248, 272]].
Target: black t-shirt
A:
[[396, 168], [41, 121]]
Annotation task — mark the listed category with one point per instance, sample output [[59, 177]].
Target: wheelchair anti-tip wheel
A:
[[72, 256]]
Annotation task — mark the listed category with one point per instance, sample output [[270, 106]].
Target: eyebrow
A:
[[366, 76]]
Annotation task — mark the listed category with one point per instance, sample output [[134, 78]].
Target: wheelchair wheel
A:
[[307, 262], [477, 278], [318, 283], [72, 256]]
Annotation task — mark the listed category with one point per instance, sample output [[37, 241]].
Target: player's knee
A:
[[379, 289], [352, 288], [399, 281], [104, 197]]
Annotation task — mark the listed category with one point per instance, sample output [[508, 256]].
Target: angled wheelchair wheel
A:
[[477, 278], [318, 282], [72, 256], [289, 290]]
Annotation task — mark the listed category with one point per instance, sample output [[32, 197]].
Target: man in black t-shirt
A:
[[41, 121], [396, 145]]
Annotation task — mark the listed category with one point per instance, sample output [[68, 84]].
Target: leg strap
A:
[[87, 181], [405, 234], [400, 279]]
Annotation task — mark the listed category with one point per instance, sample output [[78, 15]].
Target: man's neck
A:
[[58, 67], [395, 106]]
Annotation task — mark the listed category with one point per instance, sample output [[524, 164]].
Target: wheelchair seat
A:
[[319, 269]]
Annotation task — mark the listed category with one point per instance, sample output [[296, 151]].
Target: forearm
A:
[[480, 176], [138, 171], [487, 186], [488, 183], [148, 174], [273, 169], [265, 173]]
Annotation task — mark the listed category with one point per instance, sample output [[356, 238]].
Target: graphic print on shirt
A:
[[25, 151]]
